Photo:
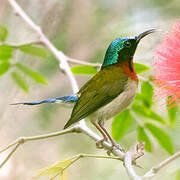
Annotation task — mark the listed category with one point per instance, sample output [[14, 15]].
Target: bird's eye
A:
[[127, 44]]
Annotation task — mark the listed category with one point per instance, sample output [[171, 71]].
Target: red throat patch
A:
[[130, 72]]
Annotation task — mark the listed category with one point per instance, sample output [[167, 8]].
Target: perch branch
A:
[[129, 158], [75, 129], [129, 168], [136, 152], [76, 61]]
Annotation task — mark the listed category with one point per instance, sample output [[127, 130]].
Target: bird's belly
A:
[[118, 104]]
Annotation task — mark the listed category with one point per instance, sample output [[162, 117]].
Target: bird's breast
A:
[[118, 104]]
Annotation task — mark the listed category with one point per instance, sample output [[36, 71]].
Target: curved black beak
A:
[[138, 38]]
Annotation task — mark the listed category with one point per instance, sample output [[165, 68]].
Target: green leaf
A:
[[32, 74], [162, 137], [3, 33], [172, 112], [34, 50], [138, 97], [4, 67], [140, 110], [20, 81], [56, 168], [143, 137], [5, 52], [139, 68], [83, 70], [120, 124], [178, 174], [147, 94], [146, 112], [156, 117]]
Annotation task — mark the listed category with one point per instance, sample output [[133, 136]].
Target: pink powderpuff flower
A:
[[167, 66]]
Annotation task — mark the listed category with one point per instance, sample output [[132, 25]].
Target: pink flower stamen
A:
[[167, 66]]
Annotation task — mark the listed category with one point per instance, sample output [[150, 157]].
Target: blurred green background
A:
[[82, 30]]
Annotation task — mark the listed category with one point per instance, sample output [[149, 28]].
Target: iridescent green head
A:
[[123, 49]]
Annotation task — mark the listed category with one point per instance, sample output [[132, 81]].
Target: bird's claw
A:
[[109, 152], [120, 147], [99, 144], [117, 146]]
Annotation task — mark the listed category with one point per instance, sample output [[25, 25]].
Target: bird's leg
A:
[[113, 142], [105, 137]]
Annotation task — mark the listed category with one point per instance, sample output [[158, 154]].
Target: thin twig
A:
[[61, 57], [166, 161], [153, 171], [22, 140], [69, 59], [33, 42], [80, 156], [9, 155], [42, 38], [76, 61], [77, 129], [9, 146], [18, 45]]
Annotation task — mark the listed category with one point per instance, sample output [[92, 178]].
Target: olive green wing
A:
[[97, 92]]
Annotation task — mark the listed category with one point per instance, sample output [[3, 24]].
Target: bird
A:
[[109, 91]]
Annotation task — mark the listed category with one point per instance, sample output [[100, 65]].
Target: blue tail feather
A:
[[65, 99]]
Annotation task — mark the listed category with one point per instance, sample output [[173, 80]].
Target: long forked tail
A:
[[64, 99]]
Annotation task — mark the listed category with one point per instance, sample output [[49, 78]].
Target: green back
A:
[[98, 91]]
